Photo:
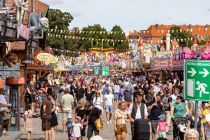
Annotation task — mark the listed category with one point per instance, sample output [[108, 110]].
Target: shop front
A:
[[11, 82]]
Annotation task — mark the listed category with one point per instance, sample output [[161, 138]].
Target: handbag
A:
[[47, 117], [6, 115], [98, 124]]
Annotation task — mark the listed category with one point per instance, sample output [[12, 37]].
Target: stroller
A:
[[141, 130], [180, 128]]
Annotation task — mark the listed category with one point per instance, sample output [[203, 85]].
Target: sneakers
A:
[[110, 122], [107, 122]]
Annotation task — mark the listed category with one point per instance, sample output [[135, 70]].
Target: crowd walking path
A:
[[107, 132]]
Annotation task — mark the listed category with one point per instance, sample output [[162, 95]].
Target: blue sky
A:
[[134, 14]]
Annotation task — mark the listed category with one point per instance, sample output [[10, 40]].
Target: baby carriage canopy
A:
[[141, 130]]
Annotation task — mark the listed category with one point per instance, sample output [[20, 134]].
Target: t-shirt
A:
[[97, 100], [127, 96], [204, 113], [80, 93], [173, 98], [162, 126], [89, 95], [108, 98], [93, 115], [80, 112], [77, 130], [156, 111], [3, 101], [116, 89], [67, 101], [179, 110]]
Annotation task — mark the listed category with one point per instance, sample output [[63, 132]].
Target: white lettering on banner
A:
[[198, 64]]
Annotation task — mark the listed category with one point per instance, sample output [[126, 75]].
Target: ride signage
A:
[[197, 80]]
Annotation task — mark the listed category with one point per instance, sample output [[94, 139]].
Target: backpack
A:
[[165, 101], [127, 96]]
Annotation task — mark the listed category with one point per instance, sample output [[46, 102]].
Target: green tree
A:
[[119, 36], [58, 21], [181, 35], [93, 36]]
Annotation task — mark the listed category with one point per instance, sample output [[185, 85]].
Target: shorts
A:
[[65, 115], [108, 108], [154, 124], [83, 131], [161, 134], [116, 96], [120, 129]]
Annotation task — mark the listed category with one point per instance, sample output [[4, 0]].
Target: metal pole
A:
[[33, 6], [196, 114], [4, 3]]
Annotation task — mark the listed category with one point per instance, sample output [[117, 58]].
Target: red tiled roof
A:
[[161, 30]]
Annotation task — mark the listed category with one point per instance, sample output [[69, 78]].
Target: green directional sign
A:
[[105, 71], [197, 80]]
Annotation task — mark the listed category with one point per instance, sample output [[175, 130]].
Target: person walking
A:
[[116, 89], [179, 110], [162, 127], [69, 125], [77, 126], [93, 113], [67, 106], [80, 111], [108, 102], [120, 119], [4, 111], [137, 110], [46, 117], [191, 123], [28, 121], [54, 121], [156, 109]]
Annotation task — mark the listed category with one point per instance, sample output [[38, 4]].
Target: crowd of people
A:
[[84, 104]]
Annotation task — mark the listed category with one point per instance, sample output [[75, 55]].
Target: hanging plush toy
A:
[[11, 59], [22, 5]]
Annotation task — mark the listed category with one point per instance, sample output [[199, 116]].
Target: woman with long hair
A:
[[191, 122], [97, 100], [54, 121]]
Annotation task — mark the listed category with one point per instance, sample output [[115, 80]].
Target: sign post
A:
[[197, 83]]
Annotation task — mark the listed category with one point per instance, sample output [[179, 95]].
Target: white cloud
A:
[[134, 14]]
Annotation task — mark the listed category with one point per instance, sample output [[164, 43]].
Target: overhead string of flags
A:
[[77, 34]]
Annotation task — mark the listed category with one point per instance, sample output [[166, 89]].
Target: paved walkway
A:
[[107, 132]]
